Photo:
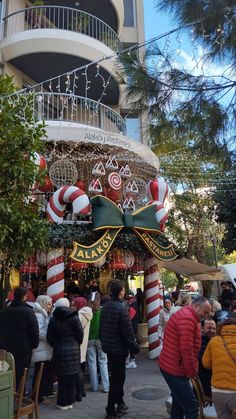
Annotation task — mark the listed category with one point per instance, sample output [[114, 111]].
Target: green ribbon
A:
[[108, 216]]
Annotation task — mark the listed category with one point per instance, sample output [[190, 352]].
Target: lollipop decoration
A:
[[115, 181]]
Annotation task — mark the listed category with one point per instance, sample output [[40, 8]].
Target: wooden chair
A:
[[28, 405], [206, 411]]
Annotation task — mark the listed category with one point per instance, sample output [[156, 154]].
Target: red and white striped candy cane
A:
[[55, 273], [154, 302], [157, 189], [55, 212], [66, 194], [160, 214]]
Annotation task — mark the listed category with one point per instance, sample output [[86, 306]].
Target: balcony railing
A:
[[72, 108], [64, 18]]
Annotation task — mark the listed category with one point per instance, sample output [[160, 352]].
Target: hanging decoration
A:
[[129, 204], [154, 302], [76, 266], [125, 171], [112, 163], [30, 266], [107, 216], [117, 261], [63, 172], [98, 169], [100, 262], [81, 184], [45, 186], [114, 181], [95, 186], [113, 195], [67, 194], [104, 280], [129, 258], [41, 257], [40, 161]]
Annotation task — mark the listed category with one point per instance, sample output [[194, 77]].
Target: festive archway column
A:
[[154, 301], [55, 211]]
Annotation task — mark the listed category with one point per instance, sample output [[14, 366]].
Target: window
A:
[[133, 127], [129, 8]]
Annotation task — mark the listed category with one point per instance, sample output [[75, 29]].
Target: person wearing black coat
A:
[[65, 335], [117, 339], [19, 331]]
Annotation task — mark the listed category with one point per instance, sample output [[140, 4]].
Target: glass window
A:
[[129, 8], [133, 127]]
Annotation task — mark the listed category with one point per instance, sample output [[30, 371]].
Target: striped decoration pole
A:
[[154, 301], [55, 212], [55, 273]]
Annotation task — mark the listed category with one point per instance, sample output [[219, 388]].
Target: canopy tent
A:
[[194, 270]]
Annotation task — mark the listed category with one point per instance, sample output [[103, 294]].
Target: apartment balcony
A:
[[47, 30], [77, 111]]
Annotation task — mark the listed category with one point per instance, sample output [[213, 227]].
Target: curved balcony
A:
[[61, 18], [77, 109]]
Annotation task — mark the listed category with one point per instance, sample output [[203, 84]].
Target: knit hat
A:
[[80, 302], [62, 302]]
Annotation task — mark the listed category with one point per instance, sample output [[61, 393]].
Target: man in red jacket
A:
[[179, 357]]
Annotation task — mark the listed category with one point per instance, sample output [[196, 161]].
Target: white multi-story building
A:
[[41, 40]]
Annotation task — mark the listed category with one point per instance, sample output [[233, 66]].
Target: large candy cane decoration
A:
[[154, 301], [157, 191], [55, 273], [65, 195], [55, 211]]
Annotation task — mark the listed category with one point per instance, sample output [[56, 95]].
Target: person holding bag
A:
[[220, 357]]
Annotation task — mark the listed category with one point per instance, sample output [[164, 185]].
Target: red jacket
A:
[[181, 344]]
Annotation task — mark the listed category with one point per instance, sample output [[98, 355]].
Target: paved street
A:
[[144, 381]]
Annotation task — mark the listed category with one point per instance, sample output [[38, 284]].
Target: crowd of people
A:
[[197, 339], [65, 335]]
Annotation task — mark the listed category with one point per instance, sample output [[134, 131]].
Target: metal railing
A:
[[72, 108], [65, 18]]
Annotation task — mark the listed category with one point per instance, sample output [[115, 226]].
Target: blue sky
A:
[[155, 22]]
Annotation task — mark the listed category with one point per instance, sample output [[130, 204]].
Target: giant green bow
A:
[[107, 215]]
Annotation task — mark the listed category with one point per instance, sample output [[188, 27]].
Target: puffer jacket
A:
[[181, 344], [65, 335], [217, 358], [85, 316], [44, 351], [116, 333]]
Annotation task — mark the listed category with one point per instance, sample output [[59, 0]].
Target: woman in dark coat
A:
[[65, 334], [19, 331]]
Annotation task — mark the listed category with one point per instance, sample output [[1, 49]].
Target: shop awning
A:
[[194, 270]]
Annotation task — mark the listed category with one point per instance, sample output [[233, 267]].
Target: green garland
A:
[[62, 235]]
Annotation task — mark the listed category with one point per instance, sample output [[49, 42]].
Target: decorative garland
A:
[[63, 234]]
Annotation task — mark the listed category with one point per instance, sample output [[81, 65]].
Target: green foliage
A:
[[230, 258], [168, 279], [20, 137], [225, 198], [63, 235], [217, 27]]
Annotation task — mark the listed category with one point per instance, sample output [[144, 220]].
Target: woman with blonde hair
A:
[[220, 357], [184, 299], [43, 353]]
